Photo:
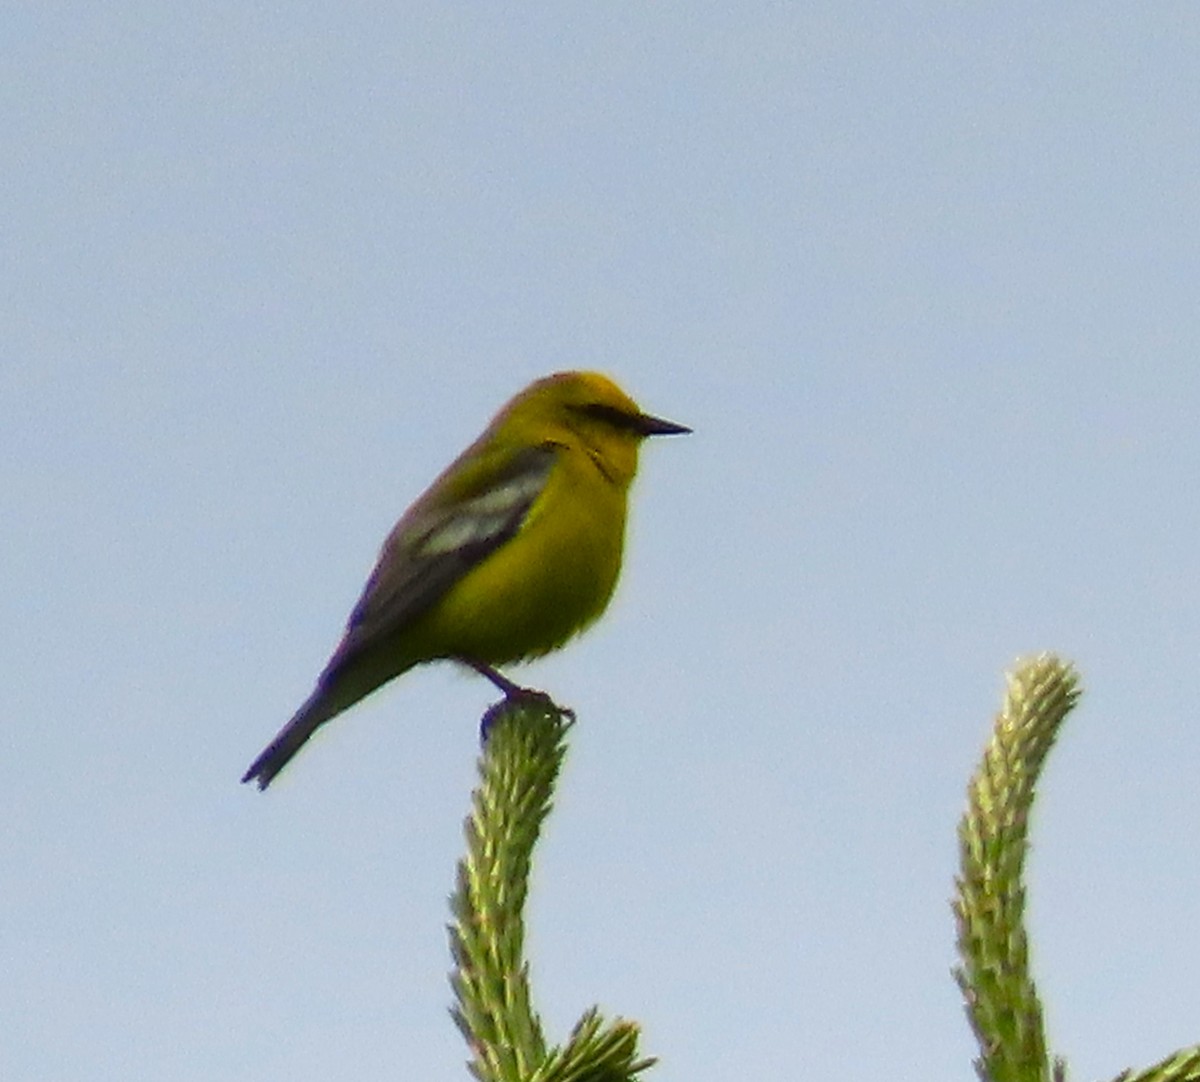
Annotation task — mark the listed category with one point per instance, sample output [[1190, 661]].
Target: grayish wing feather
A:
[[430, 549], [419, 565]]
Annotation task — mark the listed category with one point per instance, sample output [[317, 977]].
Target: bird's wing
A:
[[435, 545]]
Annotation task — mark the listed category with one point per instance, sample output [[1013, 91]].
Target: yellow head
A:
[[585, 409]]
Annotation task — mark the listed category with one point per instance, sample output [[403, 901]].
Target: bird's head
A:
[[591, 409]]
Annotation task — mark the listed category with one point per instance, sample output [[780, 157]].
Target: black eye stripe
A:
[[611, 415]]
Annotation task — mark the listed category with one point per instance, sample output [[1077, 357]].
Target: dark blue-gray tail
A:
[[291, 738]]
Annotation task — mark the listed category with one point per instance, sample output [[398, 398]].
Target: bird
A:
[[515, 548]]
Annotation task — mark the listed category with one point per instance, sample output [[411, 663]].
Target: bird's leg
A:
[[511, 690]]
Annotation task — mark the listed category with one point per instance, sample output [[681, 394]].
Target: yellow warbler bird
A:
[[511, 551]]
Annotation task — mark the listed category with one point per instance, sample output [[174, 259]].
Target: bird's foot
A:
[[514, 696]]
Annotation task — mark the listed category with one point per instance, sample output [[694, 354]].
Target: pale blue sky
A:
[[924, 280]]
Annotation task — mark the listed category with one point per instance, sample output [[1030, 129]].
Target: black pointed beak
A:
[[656, 426]]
